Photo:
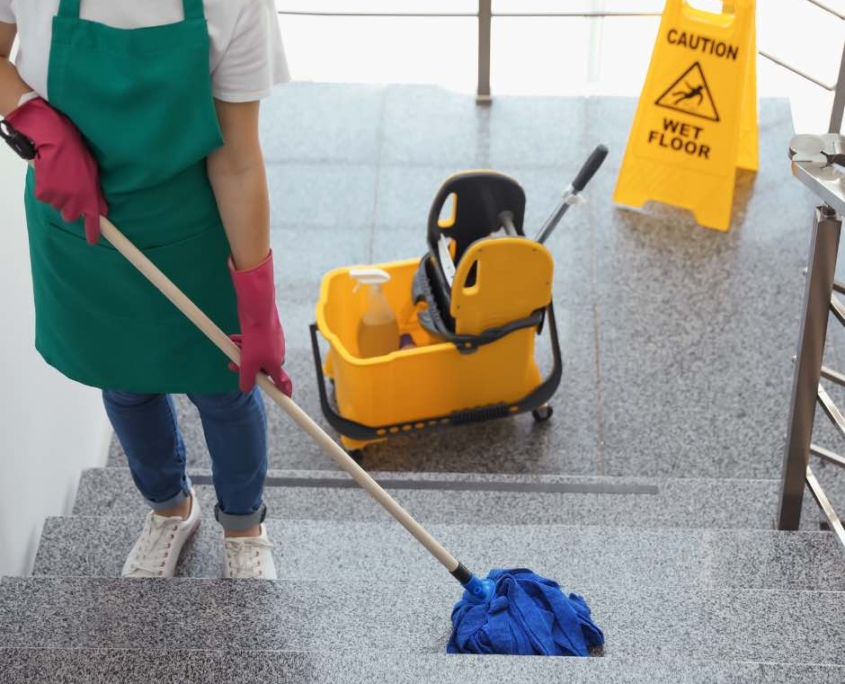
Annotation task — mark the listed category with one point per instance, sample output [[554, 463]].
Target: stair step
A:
[[407, 616], [88, 547], [481, 499], [64, 666]]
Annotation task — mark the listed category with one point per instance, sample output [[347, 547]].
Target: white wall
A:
[[50, 427]]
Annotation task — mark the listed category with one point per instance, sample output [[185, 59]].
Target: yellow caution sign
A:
[[696, 121]]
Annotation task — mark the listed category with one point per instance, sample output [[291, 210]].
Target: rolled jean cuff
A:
[[239, 523], [173, 501]]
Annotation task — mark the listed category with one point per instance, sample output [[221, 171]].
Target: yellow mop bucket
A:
[[473, 307]]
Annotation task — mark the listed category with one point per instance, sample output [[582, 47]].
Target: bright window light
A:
[[571, 55]]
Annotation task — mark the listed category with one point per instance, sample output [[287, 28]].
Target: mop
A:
[[509, 612]]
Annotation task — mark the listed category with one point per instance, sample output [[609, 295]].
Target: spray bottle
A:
[[378, 330]]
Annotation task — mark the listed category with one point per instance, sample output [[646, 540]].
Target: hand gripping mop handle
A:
[[478, 588], [585, 175]]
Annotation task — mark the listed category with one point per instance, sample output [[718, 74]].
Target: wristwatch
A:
[[22, 146]]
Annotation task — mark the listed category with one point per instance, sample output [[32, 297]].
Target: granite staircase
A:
[[687, 577]]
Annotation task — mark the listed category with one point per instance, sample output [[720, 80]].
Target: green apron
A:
[[143, 100]]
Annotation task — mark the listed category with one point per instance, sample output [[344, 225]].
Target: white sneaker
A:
[[157, 550], [249, 557]]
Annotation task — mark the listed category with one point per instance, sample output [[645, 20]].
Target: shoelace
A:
[[156, 541], [244, 557]]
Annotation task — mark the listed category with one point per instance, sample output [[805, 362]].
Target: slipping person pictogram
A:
[[690, 94]]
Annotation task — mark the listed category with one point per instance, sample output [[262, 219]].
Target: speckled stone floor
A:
[[677, 339]]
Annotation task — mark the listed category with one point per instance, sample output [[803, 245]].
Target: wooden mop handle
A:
[[230, 349]]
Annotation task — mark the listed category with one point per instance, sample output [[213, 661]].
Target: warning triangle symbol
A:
[[690, 94]]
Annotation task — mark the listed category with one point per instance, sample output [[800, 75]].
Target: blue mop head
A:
[[516, 612]]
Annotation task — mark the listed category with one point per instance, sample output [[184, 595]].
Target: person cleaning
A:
[[147, 112]]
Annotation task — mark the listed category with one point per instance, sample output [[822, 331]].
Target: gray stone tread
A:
[[640, 502], [64, 666], [97, 546], [405, 615]]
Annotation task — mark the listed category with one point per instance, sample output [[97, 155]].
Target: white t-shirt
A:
[[247, 56]]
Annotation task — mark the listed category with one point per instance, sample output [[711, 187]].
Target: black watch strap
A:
[[22, 146]]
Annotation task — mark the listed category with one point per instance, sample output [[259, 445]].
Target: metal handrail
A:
[[824, 503], [310, 13], [820, 301], [826, 8], [485, 16], [830, 87], [465, 15]]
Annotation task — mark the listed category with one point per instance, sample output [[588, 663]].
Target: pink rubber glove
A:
[[262, 340], [66, 173]]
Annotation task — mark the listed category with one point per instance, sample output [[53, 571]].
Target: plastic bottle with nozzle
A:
[[378, 330]]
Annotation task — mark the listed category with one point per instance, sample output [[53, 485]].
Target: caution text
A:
[[708, 46]]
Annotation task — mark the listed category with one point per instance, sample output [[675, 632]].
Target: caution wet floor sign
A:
[[696, 121]]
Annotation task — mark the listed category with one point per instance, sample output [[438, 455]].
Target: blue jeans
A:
[[235, 428]]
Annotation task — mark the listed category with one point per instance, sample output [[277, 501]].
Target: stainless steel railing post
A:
[[485, 30], [805, 388]]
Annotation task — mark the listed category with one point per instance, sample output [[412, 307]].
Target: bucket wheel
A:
[[543, 413]]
